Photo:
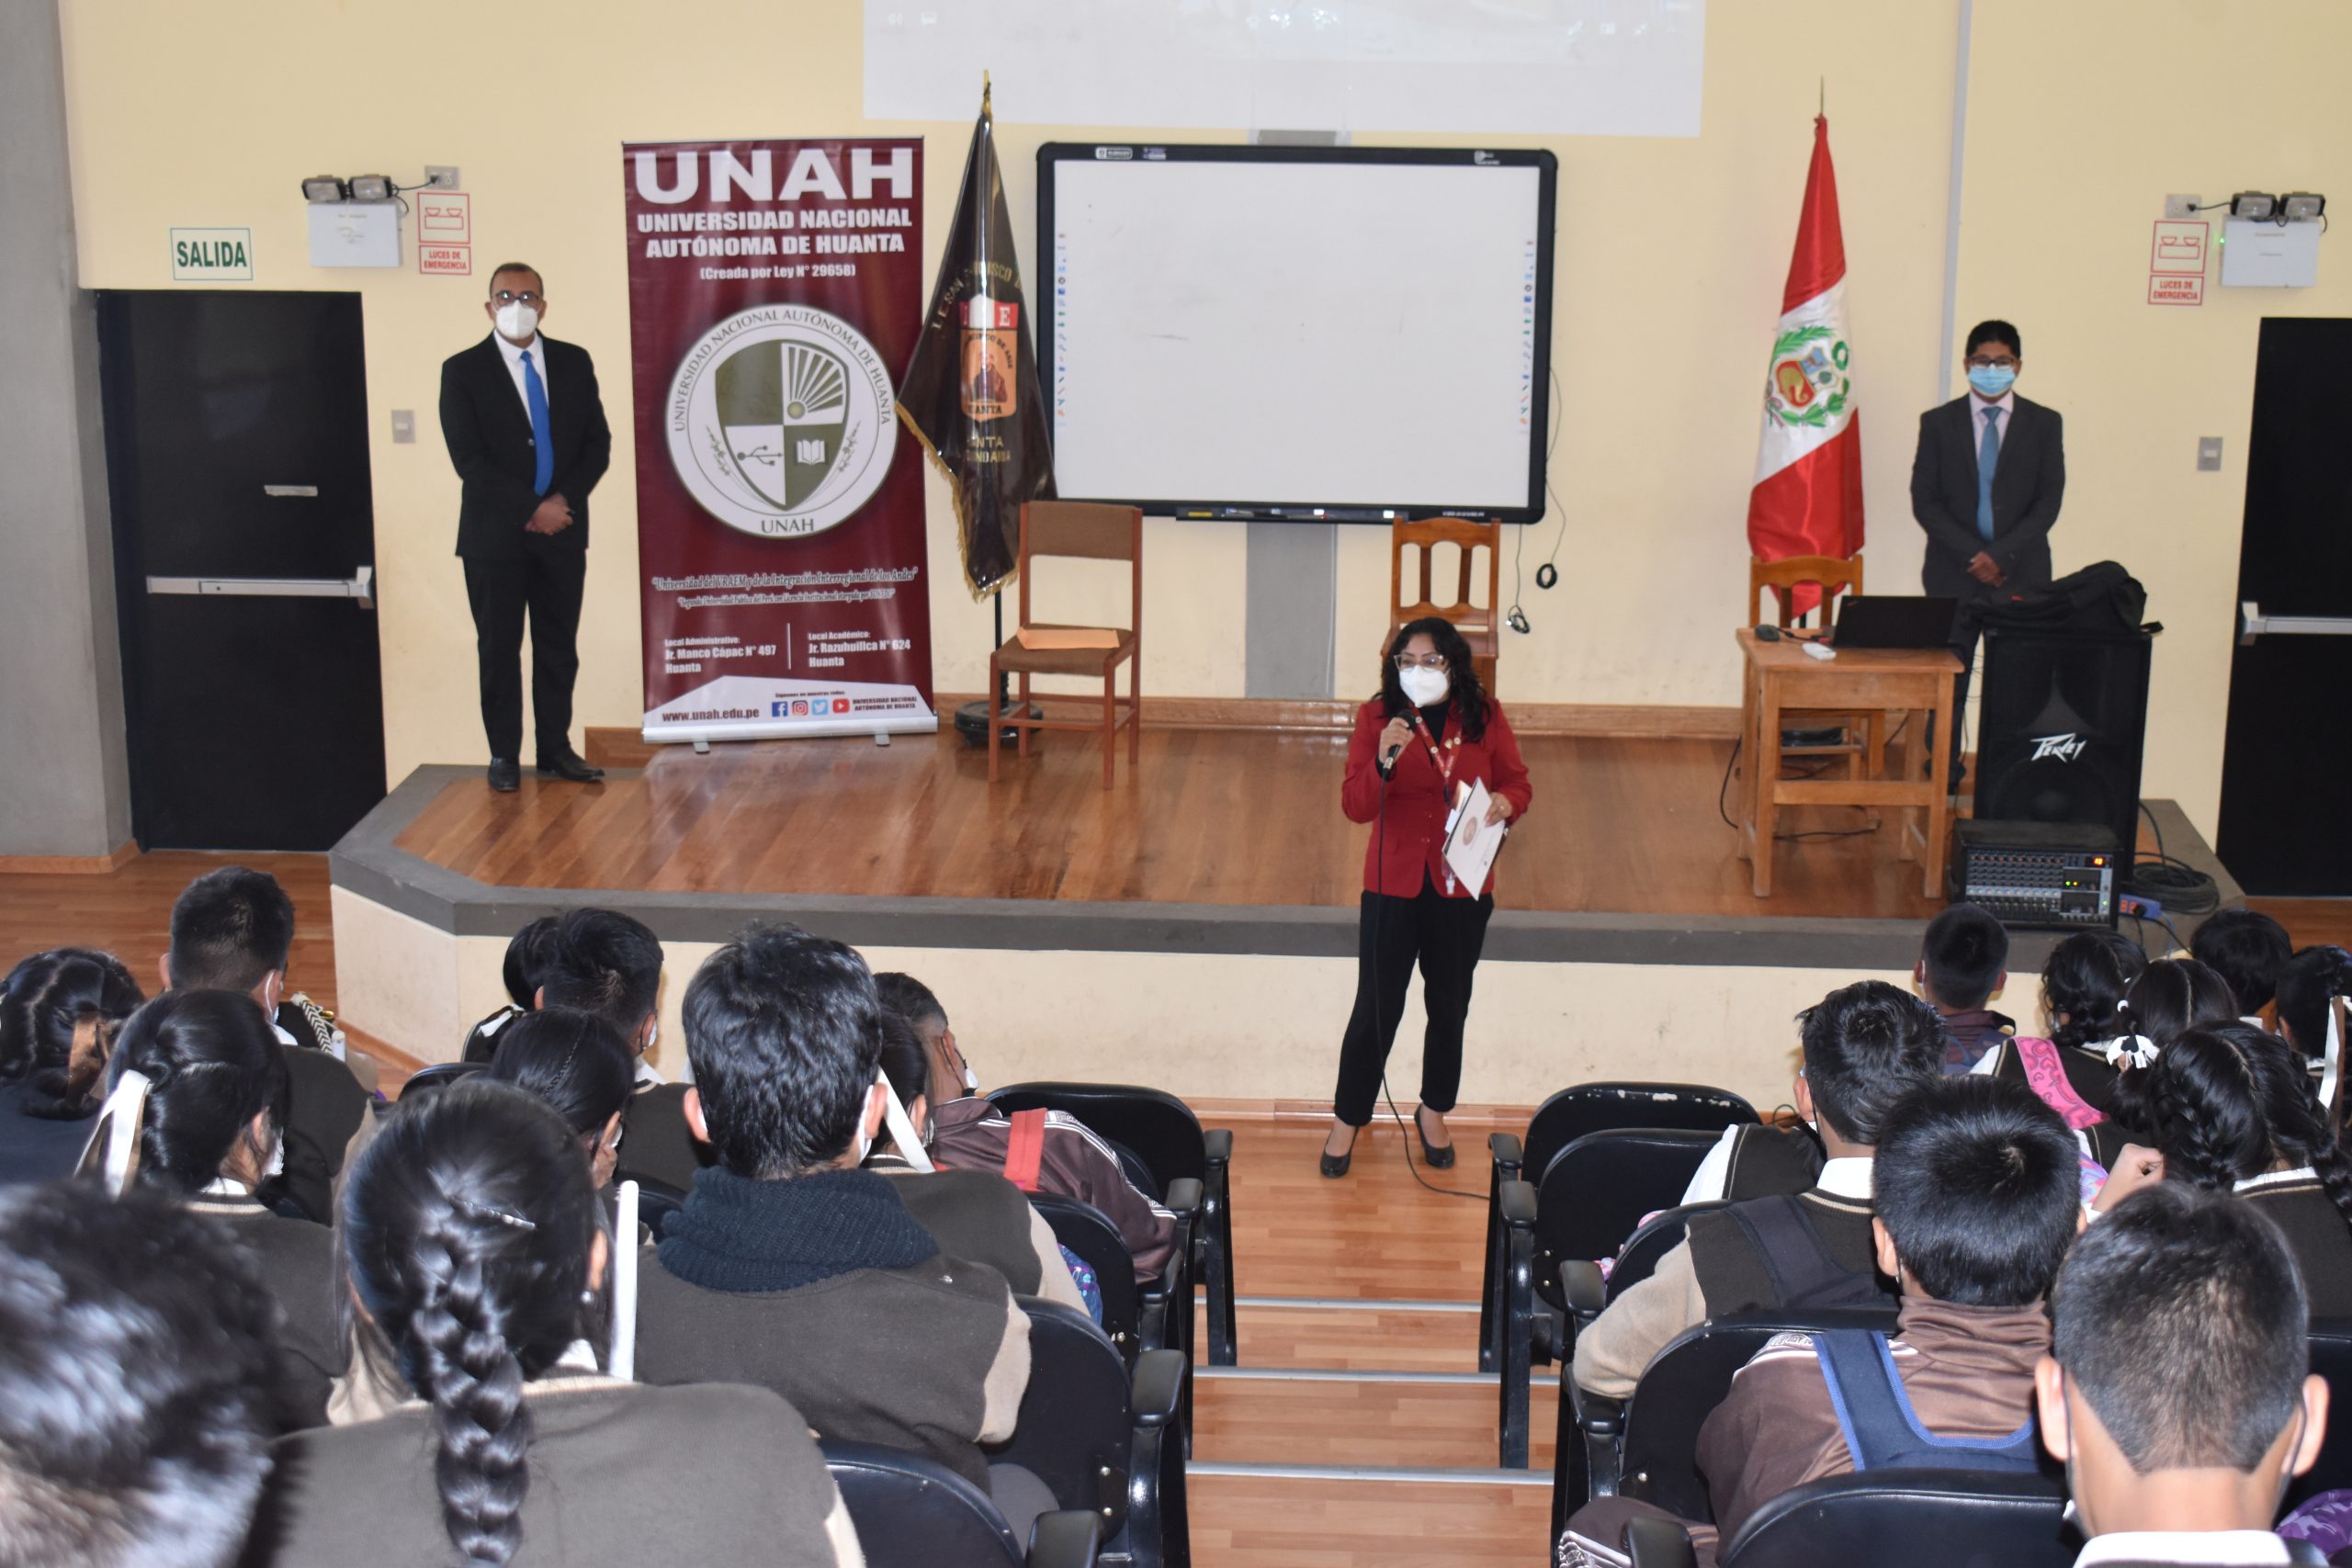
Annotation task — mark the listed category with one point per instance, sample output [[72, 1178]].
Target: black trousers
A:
[[546, 584], [1444, 936]]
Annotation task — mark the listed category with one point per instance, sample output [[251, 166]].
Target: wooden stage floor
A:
[[1220, 817]]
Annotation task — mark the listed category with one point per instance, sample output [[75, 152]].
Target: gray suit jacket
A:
[[2028, 487]]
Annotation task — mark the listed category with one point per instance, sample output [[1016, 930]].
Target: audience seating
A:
[[1921, 1519], [1098, 1437], [1594, 1194], [1169, 1145], [1561, 1121], [658, 1203], [440, 1074], [912, 1509], [1647, 1446]]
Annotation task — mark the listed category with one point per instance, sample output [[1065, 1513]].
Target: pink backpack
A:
[[2047, 1075]]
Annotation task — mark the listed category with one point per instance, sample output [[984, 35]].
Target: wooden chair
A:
[[1478, 623], [1779, 580], [1083, 531]]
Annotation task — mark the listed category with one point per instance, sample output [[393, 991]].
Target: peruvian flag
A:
[[1808, 494]]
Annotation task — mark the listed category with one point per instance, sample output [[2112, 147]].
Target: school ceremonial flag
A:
[[1808, 494], [971, 391]]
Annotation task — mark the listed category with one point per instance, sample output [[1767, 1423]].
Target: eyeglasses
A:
[[1426, 661], [2003, 363], [528, 297]]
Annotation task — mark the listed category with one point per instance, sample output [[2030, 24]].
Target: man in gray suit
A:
[[1987, 484]]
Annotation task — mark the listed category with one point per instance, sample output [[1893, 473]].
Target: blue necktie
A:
[[1988, 458], [535, 392]]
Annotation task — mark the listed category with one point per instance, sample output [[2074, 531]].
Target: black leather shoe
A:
[[505, 777], [1434, 1158], [1336, 1165], [569, 765]]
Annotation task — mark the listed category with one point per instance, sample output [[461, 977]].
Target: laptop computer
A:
[[1894, 620]]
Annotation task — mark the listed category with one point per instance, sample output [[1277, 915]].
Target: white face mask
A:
[[1424, 687], [517, 321]]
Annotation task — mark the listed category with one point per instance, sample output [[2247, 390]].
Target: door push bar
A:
[[2253, 622], [360, 586]]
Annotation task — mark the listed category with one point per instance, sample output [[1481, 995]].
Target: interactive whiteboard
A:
[[1285, 331]]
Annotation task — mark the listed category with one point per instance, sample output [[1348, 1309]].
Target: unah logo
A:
[[781, 421], [1808, 385], [2065, 748]]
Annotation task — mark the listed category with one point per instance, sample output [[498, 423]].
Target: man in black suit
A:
[[1987, 484], [526, 430]]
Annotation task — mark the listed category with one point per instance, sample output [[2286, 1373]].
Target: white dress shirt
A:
[[513, 355], [2210, 1548]]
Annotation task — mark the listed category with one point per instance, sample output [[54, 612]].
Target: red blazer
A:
[[1411, 840]]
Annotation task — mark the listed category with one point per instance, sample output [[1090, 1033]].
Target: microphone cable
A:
[[1380, 873]]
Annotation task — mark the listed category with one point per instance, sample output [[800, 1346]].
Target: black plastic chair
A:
[[1561, 1121], [658, 1203], [440, 1074], [1593, 1195], [1098, 1438], [1921, 1519], [1648, 1447], [1163, 1134], [1087, 1231], [908, 1509]]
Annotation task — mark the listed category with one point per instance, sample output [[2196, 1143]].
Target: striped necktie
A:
[[535, 393]]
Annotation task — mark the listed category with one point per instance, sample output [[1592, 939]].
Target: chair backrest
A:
[[1156, 1127], [912, 1509], [1087, 1231], [1590, 1107], [1423, 536], [1595, 1191], [658, 1203], [1658, 1235], [2331, 1359], [1680, 1389], [1084, 531], [440, 1074], [1075, 1428], [1921, 1519], [1778, 580]]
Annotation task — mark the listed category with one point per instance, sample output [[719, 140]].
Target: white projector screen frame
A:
[[1349, 333]]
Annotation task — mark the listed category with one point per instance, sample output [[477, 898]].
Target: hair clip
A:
[[486, 1212], [2130, 1050]]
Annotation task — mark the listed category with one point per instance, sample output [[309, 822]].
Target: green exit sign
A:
[[212, 256]]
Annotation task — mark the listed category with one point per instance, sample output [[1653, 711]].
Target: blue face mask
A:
[[1992, 380]]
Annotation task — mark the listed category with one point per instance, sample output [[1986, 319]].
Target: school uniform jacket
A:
[[298, 1265], [2316, 1234], [619, 1473], [1409, 844], [984, 1217], [971, 1134], [1715, 1270]]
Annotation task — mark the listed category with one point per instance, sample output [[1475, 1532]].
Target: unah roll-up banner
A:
[[773, 286]]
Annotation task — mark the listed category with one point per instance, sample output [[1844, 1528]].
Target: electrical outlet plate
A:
[[441, 177], [2209, 454], [2181, 206], [403, 426]]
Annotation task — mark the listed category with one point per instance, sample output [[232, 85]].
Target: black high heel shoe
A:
[[1434, 1158], [1336, 1165]]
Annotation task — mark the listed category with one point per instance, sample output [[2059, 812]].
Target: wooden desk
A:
[[1778, 676]]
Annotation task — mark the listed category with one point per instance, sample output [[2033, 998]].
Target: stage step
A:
[[1366, 1518], [1370, 1335], [1332, 1419]]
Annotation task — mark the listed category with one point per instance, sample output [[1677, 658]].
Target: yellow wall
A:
[[1671, 263]]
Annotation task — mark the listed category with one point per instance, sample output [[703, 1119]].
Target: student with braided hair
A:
[[2312, 980], [2084, 982], [477, 1251], [199, 1081], [2171, 996], [2231, 1109], [59, 1014]]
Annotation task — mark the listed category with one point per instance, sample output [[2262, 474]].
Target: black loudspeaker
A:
[[2060, 726]]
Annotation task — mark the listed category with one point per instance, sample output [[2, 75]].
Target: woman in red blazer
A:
[[1418, 745]]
